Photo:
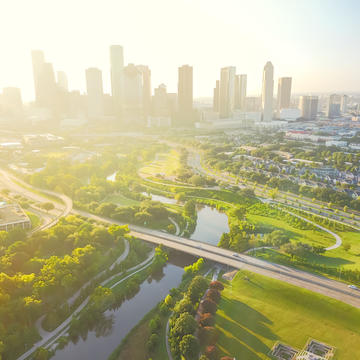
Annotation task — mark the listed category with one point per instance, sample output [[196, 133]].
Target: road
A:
[[322, 285], [303, 203]]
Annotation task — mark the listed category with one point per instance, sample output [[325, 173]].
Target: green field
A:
[[165, 164], [312, 237], [34, 219], [121, 200], [254, 314]]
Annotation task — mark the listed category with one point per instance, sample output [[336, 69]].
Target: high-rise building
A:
[[146, 95], [267, 92], [38, 59], [11, 102], [333, 109], [160, 101], [216, 97], [95, 94], [117, 77], [62, 81], [133, 83], [240, 91], [284, 94], [309, 107], [344, 104], [227, 95], [185, 90]]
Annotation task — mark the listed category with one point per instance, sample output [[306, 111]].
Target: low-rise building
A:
[[12, 216]]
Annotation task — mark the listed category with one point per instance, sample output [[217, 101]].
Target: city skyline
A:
[[89, 46]]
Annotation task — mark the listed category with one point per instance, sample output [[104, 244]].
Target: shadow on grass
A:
[[239, 326]]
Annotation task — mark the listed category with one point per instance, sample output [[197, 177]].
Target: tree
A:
[[213, 295], [48, 206], [217, 285], [347, 247], [208, 306], [206, 319], [185, 324], [189, 347], [197, 288]]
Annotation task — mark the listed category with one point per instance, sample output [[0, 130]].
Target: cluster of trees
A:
[[183, 325], [206, 320], [194, 268], [37, 273], [277, 213]]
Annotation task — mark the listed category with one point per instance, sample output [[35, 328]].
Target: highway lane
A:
[[319, 284], [331, 288]]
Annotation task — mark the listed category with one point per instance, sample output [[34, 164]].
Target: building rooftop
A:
[[11, 214]]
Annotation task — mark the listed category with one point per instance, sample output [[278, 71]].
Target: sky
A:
[[316, 42]]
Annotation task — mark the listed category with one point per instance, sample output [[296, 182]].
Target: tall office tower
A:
[[267, 92], [240, 91], [216, 97], [344, 104], [133, 84], [227, 95], [47, 86], [284, 94], [11, 102], [333, 106], [146, 95], [185, 90], [117, 77], [95, 94], [38, 61], [62, 81], [309, 107], [160, 101]]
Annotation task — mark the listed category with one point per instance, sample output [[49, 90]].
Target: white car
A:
[[353, 287], [236, 255]]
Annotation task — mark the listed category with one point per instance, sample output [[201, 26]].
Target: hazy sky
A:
[[314, 41]]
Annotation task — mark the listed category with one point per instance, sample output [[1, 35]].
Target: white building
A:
[[267, 92]]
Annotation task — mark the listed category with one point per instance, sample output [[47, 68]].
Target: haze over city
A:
[[312, 41], [180, 180]]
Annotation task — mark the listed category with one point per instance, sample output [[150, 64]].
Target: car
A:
[[353, 287], [236, 255]]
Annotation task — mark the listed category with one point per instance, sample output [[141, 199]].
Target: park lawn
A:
[[165, 163], [134, 346], [312, 237], [34, 219], [252, 315], [121, 200]]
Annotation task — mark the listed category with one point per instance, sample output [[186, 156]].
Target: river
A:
[[99, 343]]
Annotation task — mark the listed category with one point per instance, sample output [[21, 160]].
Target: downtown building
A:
[[227, 92], [267, 92], [117, 78], [185, 111], [309, 107], [283, 94], [240, 92], [95, 93]]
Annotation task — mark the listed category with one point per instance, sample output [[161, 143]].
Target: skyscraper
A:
[[133, 83], [62, 81], [284, 94], [240, 91], [95, 94], [267, 92], [333, 106], [117, 77], [344, 103], [146, 94], [216, 97], [309, 107], [38, 60], [227, 96], [185, 92]]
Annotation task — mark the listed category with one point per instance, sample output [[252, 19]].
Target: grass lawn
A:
[[134, 347], [165, 164], [312, 237], [35, 220], [121, 200], [253, 315]]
